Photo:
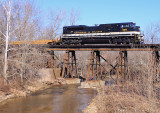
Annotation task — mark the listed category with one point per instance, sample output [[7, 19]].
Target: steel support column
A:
[[155, 65], [69, 65], [52, 63], [94, 67], [122, 68]]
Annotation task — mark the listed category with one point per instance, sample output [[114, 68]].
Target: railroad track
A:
[[108, 47]]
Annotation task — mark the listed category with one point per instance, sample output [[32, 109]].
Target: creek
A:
[[57, 99]]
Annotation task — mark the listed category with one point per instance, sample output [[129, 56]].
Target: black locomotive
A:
[[114, 33]]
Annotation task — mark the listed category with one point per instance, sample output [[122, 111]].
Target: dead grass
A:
[[125, 99]]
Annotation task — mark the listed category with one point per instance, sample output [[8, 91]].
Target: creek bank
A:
[[38, 85], [47, 78], [95, 84], [91, 108], [92, 84], [122, 99]]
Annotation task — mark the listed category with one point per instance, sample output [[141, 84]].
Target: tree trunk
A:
[[8, 11]]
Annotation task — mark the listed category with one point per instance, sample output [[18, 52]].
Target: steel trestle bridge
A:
[[96, 69]]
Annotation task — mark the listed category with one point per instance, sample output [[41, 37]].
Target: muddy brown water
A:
[[58, 99]]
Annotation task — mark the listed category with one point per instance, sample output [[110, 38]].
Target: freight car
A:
[[114, 33]]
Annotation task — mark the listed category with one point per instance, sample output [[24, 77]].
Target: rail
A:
[[110, 47]]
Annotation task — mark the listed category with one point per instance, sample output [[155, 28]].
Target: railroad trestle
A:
[[96, 70]]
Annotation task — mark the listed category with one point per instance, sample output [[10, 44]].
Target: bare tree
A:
[[54, 28], [7, 7], [153, 33], [56, 20], [74, 16], [26, 21]]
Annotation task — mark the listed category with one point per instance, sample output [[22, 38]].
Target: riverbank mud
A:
[[9, 92]]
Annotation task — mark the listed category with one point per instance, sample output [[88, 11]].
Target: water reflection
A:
[[58, 99]]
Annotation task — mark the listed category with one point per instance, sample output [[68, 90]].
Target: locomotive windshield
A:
[[132, 25], [128, 25], [124, 25]]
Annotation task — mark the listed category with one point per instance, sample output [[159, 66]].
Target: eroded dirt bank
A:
[[96, 84], [17, 90]]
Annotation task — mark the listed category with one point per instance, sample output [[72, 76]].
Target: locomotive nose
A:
[[137, 28]]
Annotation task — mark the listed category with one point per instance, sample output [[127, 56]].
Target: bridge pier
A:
[[155, 65], [122, 67], [53, 62], [96, 69], [70, 64], [94, 66]]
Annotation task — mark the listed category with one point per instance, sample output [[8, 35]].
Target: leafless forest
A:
[[20, 65], [22, 21]]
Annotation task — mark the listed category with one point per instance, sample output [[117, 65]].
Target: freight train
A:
[[114, 33]]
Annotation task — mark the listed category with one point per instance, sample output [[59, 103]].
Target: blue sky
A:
[[143, 12]]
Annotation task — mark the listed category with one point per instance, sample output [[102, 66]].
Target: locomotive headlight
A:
[[124, 30]]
